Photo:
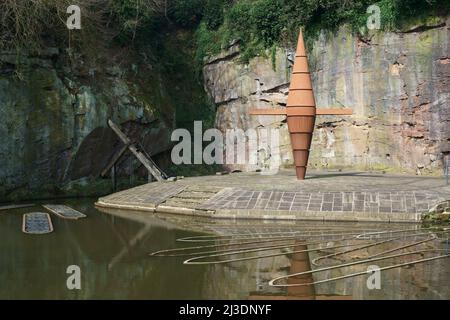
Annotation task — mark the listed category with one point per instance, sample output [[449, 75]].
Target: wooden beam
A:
[[114, 160], [141, 156], [113, 177], [268, 112], [300, 111], [16, 206], [337, 112]]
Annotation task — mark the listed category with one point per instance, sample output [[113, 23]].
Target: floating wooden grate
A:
[[64, 212], [37, 223]]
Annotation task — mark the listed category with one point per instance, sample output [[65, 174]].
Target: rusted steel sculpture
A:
[[301, 110]]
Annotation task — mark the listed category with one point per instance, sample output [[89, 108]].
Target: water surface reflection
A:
[[112, 249]]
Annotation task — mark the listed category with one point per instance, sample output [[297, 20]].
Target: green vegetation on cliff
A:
[[149, 40], [258, 24], [262, 24], [141, 61], [58, 87]]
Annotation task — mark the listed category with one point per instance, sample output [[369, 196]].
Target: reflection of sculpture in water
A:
[[299, 263]]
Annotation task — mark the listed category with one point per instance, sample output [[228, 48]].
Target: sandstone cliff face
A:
[[236, 88], [398, 85], [53, 127]]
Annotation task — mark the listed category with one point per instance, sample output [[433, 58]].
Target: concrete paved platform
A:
[[325, 196]]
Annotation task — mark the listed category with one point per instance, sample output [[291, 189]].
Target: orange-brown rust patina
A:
[[301, 110]]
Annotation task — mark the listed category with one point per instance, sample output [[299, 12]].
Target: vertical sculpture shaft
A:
[[301, 110]]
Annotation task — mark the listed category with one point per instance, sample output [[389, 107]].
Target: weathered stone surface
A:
[[237, 87], [399, 90], [439, 213], [383, 198], [146, 196], [53, 127], [398, 85]]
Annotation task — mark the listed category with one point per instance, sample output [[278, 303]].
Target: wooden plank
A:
[[268, 112], [114, 178], [64, 212], [299, 112], [141, 157], [37, 223], [16, 206], [338, 112], [114, 160]]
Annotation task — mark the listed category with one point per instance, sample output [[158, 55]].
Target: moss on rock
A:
[[439, 214]]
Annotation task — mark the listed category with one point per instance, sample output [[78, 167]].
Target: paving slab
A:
[[146, 197], [326, 196]]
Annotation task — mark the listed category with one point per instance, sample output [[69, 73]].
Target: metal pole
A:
[[113, 178]]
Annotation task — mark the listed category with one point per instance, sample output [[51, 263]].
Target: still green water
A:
[[112, 253]]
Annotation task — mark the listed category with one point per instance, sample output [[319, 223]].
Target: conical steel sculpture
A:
[[301, 110]]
